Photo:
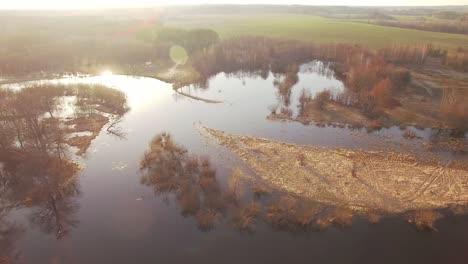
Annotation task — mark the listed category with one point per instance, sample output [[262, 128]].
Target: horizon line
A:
[[212, 4]]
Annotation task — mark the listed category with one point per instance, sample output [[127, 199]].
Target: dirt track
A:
[[361, 180]]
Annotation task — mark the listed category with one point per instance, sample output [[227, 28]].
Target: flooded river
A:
[[116, 215]]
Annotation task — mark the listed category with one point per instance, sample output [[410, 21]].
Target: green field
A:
[[318, 29]]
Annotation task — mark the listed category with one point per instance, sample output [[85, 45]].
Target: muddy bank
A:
[[361, 180]]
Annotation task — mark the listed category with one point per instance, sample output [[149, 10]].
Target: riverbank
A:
[[387, 182]]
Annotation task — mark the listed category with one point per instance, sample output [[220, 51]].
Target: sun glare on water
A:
[[107, 73]]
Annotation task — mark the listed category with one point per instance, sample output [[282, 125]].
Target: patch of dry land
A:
[[330, 113], [433, 74], [92, 123], [435, 98], [362, 180]]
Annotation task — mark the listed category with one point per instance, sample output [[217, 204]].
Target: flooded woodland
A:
[[246, 150]]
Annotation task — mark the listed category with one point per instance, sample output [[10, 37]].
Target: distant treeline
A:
[[451, 15], [269, 9], [263, 54], [455, 27], [317, 10], [443, 12]]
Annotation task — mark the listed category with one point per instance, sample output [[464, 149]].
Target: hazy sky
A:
[[46, 4]]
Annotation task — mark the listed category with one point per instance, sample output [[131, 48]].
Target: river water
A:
[[118, 219]]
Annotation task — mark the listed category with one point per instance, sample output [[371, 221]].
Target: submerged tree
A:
[[9, 233], [285, 86], [36, 171], [168, 168]]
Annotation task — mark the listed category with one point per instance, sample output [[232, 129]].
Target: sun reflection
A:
[[107, 73]]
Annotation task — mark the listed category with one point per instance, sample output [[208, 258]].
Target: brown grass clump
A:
[[332, 112], [323, 223], [7, 260], [452, 144], [458, 60], [293, 214], [307, 215], [374, 218], [207, 218], [189, 200], [424, 219], [409, 134], [342, 216], [302, 159], [454, 108], [383, 94], [406, 54], [81, 142], [260, 190], [375, 124], [235, 186], [284, 111], [281, 213], [246, 217], [459, 209], [322, 98], [92, 123], [169, 168]]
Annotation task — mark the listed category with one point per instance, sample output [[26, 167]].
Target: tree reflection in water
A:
[[36, 170], [168, 168], [9, 233]]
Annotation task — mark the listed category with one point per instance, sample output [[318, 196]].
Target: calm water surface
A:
[[120, 220]]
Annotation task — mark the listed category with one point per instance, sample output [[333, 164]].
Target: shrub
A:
[[424, 219], [406, 54], [458, 60], [273, 109], [400, 78], [322, 98], [454, 108], [303, 100], [382, 92]]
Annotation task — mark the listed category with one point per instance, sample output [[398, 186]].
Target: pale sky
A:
[[69, 4]]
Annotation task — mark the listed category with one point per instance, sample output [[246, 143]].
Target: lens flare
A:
[[178, 55]]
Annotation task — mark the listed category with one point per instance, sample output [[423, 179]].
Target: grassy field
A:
[[317, 29]]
